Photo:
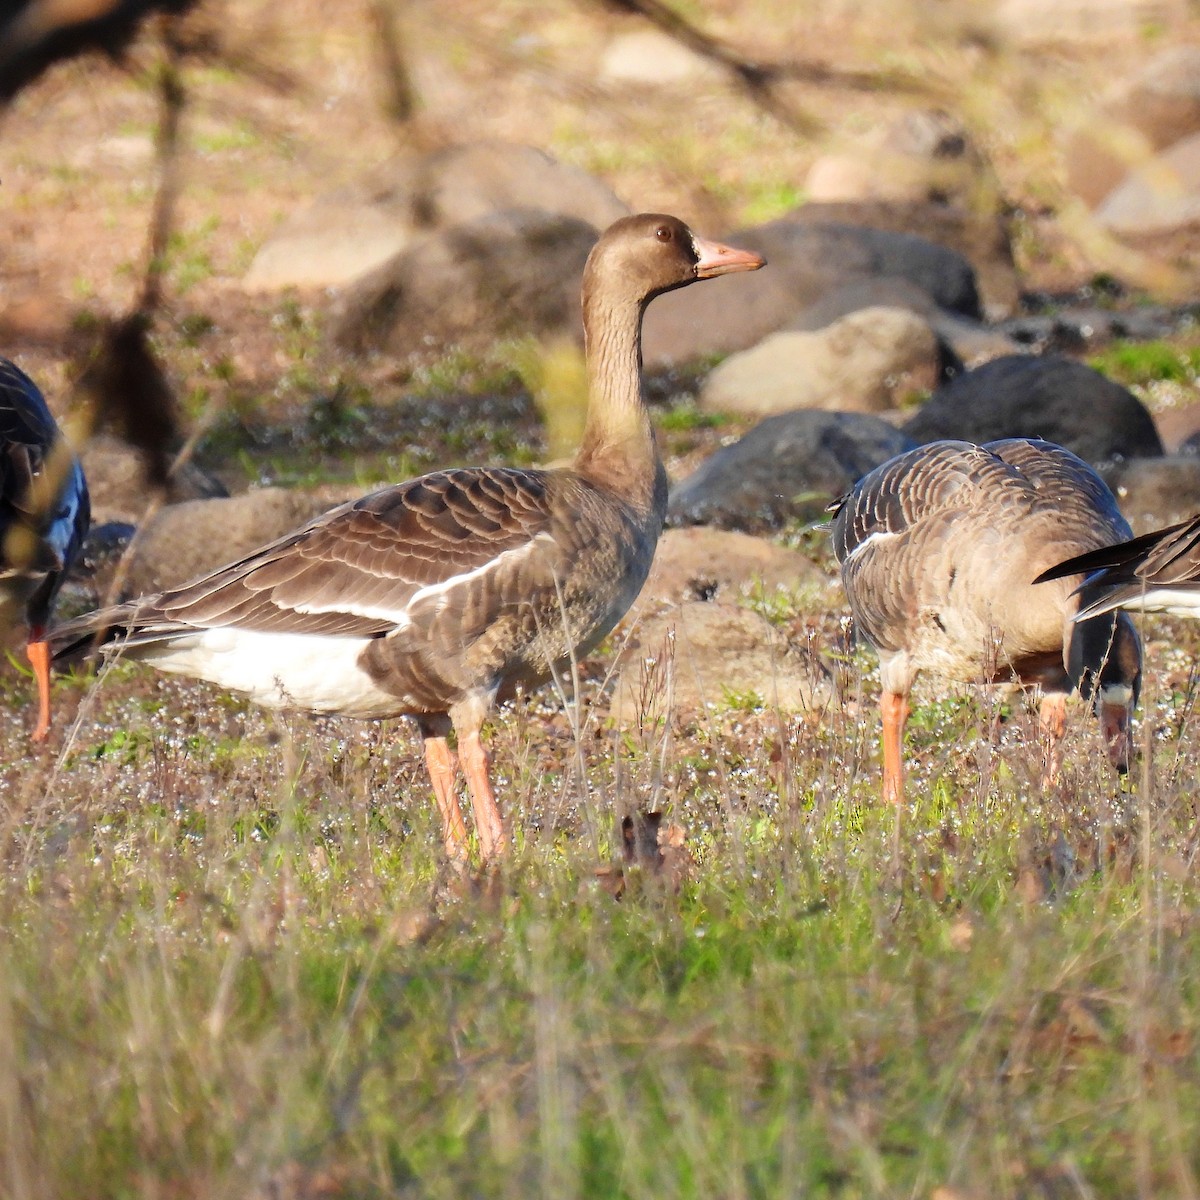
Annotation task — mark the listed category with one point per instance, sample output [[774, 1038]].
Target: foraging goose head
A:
[[1103, 658]]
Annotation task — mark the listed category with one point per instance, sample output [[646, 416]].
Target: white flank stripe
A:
[[400, 616], [880, 535], [314, 672]]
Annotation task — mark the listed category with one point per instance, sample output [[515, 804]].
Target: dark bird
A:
[[1157, 572], [438, 597], [939, 548], [44, 517], [35, 34]]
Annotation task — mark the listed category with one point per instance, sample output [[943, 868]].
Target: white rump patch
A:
[[315, 672]]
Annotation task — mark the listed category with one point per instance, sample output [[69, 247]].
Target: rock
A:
[[924, 155], [1156, 108], [1051, 397], [1159, 197], [1026, 21], [349, 232], [1154, 492], [979, 236], [504, 275], [786, 468], [338, 238], [970, 344], [465, 183], [806, 260], [652, 58], [1164, 102], [707, 655], [184, 540], [117, 481], [869, 361], [700, 563]]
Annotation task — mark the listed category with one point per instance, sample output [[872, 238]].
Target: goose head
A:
[[1103, 657], [651, 253]]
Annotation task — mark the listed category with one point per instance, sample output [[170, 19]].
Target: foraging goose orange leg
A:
[[442, 764], [38, 652], [1052, 715], [893, 707]]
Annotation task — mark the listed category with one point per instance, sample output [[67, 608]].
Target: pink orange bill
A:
[[717, 259]]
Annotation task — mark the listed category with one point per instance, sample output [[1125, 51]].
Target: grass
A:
[[233, 936]]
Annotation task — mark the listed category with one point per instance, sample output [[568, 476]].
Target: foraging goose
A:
[[44, 517], [1157, 572], [939, 548], [439, 596]]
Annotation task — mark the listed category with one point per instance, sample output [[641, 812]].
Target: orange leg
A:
[[488, 823], [893, 707], [442, 764], [1052, 715], [38, 652]]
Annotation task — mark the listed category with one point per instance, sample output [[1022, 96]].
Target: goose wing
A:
[[356, 571]]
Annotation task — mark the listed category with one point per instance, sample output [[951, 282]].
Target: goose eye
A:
[[663, 233]]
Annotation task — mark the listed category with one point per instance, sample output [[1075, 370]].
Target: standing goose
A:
[[939, 548], [1157, 572], [440, 596], [44, 515]]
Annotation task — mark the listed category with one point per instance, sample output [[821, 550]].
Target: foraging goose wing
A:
[[355, 571]]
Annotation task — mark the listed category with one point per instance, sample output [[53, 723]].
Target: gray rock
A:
[[352, 230], [786, 468], [1154, 492], [805, 262], [506, 274], [1159, 197], [979, 237], [703, 656], [869, 361], [1053, 398]]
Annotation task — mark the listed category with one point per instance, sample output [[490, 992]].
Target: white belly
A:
[[279, 670]]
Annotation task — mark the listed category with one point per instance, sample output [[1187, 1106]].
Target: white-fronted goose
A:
[[437, 597], [939, 548], [1157, 572], [44, 516]]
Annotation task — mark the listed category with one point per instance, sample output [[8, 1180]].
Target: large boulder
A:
[[348, 232], [787, 468], [869, 361], [980, 236], [805, 262], [1053, 398], [703, 656], [506, 274], [701, 563], [181, 541]]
